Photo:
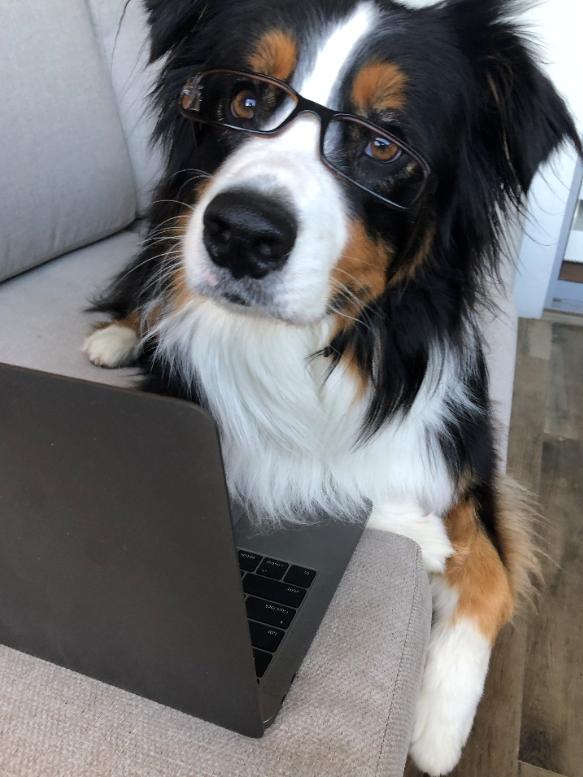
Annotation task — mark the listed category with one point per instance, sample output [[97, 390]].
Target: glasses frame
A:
[[326, 116]]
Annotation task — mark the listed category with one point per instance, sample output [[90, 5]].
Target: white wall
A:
[[557, 25], [546, 216]]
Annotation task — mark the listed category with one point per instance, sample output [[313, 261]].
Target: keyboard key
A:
[[262, 661], [248, 561], [300, 576], [268, 612], [283, 593], [265, 637], [270, 567]]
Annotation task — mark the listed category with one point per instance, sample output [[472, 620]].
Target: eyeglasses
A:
[[358, 151]]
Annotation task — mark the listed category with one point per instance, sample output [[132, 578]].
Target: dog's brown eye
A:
[[244, 105], [383, 150]]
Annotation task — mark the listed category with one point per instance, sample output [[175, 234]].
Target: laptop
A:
[[122, 558]]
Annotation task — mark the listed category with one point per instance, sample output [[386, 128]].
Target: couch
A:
[[77, 171]]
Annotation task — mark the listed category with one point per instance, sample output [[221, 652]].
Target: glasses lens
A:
[[373, 160], [237, 100]]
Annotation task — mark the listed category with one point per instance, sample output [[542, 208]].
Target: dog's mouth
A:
[[236, 299], [244, 296]]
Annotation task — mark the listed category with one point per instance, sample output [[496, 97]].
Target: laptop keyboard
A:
[[274, 590]]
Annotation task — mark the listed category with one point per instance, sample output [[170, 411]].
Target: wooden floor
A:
[[530, 723], [572, 271]]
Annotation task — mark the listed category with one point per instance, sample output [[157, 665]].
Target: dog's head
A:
[[329, 216]]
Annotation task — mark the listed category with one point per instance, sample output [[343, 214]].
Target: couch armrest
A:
[[349, 712]]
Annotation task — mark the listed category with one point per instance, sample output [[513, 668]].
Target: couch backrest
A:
[[122, 31], [74, 159]]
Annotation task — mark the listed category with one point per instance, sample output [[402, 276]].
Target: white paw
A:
[[426, 529], [438, 746], [452, 686], [112, 346]]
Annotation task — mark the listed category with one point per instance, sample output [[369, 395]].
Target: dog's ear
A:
[[513, 119], [518, 117], [171, 21], [184, 35]]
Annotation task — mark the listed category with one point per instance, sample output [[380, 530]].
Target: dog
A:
[[339, 174]]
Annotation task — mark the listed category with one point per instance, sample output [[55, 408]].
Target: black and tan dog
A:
[[338, 176]]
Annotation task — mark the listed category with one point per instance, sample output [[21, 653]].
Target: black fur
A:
[[481, 112]]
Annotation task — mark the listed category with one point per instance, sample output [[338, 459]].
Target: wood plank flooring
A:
[[527, 770], [572, 271], [530, 722]]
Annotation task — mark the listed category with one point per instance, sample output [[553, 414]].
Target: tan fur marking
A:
[[276, 54], [201, 190], [362, 269], [101, 325], [410, 270], [352, 368], [180, 293], [519, 523], [362, 273], [131, 321], [477, 573], [380, 86]]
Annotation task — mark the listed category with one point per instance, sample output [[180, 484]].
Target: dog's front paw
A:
[[452, 686], [113, 346], [437, 744], [426, 529]]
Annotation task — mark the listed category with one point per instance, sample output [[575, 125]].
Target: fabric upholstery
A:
[[42, 318], [348, 712], [122, 32], [66, 177]]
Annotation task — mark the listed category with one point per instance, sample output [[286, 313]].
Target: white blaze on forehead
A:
[[334, 53], [289, 163]]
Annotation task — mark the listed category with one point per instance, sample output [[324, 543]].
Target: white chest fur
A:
[[289, 435]]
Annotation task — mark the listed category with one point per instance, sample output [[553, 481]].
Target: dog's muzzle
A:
[[249, 233]]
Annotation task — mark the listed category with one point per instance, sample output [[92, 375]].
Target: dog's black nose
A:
[[249, 233]]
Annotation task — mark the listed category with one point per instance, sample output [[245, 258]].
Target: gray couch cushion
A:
[[349, 711], [66, 177], [42, 319], [122, 31]]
